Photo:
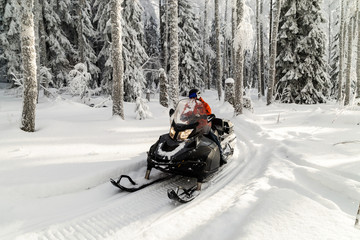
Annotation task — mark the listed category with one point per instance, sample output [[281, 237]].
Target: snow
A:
[[294, 174]]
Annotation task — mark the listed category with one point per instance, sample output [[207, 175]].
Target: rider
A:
[[195, 94]]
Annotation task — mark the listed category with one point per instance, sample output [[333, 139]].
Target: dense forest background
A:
[[311, 58]]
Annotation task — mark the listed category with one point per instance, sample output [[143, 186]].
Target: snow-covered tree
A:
[[164, 86], [85, 36], [152, 38], [9, 38], [117, 59], [133, 41], [205, 56], [341, 50], [190, 42], [133, 48], [301, 68], [273, 52], [28, 54], [358, 52], [239, 57], [103, 42], [218, 50], [349, 62], [334, 20], [60, 51], [174, 53], [79, 80]]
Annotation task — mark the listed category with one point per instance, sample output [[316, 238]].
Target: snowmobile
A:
[[187, 149]]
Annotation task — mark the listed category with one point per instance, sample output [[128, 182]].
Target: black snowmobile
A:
[[187, 149]]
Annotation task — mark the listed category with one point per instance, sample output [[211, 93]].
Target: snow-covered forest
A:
[[86, 87], [308, 56]]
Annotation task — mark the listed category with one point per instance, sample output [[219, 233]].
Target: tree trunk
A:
[[164, 97], [262, 64], [358, 53], [117, 60], [258, 47], [28, 53], [270, 24], [239, 67], [37, 13], [218, 50], [205, 40], [166, 32], [80, 30], [174, 53], [273, 52], [348, 68], [341, 51]]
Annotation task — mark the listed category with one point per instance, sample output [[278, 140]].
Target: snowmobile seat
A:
[[222, 126]]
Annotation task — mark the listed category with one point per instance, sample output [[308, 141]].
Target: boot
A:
[[222, 159]]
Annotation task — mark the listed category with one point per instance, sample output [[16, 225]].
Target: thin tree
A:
[[218, 50], [258, 36], [174, 53], [341, 50], [358, 52], [27, 35], [275, 25], [116, 55], [348, 67], [205, 42], [239, 57]]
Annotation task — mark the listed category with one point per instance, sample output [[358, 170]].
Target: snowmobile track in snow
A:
[[124, 214]]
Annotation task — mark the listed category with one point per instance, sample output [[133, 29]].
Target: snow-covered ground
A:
[[295, 174]]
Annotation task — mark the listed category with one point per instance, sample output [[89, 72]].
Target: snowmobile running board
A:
[[134, 189]]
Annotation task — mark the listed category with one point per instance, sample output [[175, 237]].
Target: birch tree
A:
[[218, 50], [239, 57], [273, 52], [28, 54], [116, 55], [174, 53]]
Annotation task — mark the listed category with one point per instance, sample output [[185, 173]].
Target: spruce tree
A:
[[190, 41], [9, 39], [301, 68]]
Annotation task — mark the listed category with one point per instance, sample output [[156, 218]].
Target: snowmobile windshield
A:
[[192, 112]]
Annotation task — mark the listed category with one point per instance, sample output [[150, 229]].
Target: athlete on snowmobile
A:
[[195, 94]]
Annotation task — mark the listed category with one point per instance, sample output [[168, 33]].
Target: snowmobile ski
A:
[[136, 186], [183, 195]]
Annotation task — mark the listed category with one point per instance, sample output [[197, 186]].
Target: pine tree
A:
[[28, 54], [301, 68]]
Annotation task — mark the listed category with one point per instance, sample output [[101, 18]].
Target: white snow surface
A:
[[295, 174]]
